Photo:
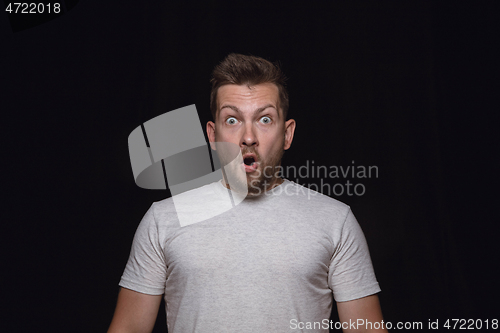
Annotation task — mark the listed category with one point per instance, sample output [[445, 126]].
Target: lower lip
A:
[[251, 168]]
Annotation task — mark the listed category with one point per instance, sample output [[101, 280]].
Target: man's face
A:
[[249, 118]]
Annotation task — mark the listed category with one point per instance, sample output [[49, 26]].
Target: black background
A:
[[409, 87]]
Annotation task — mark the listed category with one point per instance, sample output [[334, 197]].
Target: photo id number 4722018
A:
[[471, 324], [33, 8]]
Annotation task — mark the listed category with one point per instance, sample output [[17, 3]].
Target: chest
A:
[[291, 248]]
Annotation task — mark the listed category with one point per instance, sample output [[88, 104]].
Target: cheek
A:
[[275, 146], [276, 140], [226, 136]]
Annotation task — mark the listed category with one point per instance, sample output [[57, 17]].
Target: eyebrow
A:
[[234, 108]]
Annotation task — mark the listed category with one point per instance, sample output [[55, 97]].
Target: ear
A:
[[289, 131], [211, 134]]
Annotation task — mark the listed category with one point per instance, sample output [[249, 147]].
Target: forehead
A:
[[242, 96]]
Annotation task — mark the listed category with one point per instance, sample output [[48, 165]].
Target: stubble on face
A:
[[265, 177], [267, 144]]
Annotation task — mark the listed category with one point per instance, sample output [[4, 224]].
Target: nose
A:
[[249, 138]]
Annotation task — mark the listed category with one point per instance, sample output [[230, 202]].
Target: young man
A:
[[271, 262]]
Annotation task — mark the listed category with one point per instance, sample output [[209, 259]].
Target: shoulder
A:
[[307, 196], [166, 212], [316, 204]]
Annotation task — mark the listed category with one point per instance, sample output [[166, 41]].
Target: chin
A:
[[256, 187]]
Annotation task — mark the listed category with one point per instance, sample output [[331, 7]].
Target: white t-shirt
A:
[[266, 263]]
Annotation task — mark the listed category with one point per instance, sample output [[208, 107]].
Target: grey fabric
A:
[[254, 268]]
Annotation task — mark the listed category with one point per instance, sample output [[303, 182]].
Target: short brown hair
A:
[[242, 69]]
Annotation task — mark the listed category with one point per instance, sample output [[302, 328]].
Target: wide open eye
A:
[[265, 120], [231, 121]]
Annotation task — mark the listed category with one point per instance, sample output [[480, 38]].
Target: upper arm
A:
[[351, 273], [366, 309], [135, 312]]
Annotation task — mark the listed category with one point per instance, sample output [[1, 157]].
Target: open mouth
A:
[[250, 163], [249, 160]]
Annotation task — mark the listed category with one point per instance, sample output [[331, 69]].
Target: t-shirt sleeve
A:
[[351, 274], [145, 271]]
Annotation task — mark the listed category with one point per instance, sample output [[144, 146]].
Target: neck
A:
[[275, 182]]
